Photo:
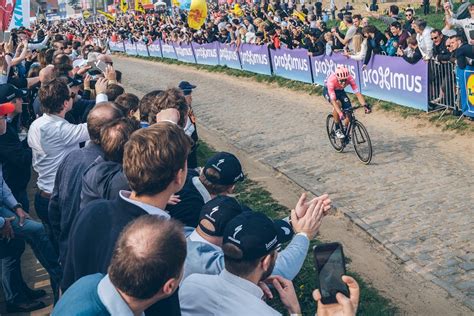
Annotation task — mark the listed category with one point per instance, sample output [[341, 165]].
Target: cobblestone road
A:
[[416, 198]]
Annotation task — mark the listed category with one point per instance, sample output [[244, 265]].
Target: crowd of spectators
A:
[[128, 221], [284, 24], [398, 33]]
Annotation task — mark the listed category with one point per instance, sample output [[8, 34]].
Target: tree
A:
[[75, 4]]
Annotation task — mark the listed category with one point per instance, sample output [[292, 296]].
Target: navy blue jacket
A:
[[91, 242], [66, 195], [102, 180]]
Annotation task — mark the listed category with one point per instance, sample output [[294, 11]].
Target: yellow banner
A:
[[108, 16], [300, 15], [197, 14], [139, 7], [237, 10], [123, 6]]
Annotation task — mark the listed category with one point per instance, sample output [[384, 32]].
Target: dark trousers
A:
[[426, 7], [12, 280], [41, 207]]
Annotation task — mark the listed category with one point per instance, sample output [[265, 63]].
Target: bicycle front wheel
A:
[[361, 142], [337, 143]]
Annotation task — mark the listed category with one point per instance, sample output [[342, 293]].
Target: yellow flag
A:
[[123, 6], [175, 3], [139, 7], [300, 15], [86, 14], [238, 10], [108, 16], [197, 14]]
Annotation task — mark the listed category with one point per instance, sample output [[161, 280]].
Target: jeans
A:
[[12, 279], [35, 235]]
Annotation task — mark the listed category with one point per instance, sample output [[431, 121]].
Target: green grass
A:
[[253, 195], [435, 20], [447, 123]]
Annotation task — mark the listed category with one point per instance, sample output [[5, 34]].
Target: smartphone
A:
[[331, 266], [100, 65]]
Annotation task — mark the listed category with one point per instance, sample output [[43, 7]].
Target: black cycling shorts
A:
[[340, 96]]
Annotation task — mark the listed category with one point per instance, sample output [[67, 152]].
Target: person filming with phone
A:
[[345, 306]]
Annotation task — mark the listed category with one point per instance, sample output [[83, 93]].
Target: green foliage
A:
[[253, 195], [75, 4]]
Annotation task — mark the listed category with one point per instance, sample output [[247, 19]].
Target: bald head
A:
[[149, 253], [101, 114], [46, 74]]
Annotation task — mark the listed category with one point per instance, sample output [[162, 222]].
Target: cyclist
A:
[[335, 94]]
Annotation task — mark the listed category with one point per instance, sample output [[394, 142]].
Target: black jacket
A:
[[441, 52], [187, 211], [462, 52], [415, 58], [92, 240], [15, 155], [374, 45]]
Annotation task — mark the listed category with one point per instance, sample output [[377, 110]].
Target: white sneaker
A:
[[340, 134]]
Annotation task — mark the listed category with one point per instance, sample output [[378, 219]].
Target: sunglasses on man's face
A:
[[408, 15], [434, 38]]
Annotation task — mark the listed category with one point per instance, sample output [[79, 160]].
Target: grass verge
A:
[[252, 194], [448, 122]]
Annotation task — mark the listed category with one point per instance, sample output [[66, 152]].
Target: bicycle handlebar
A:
[[353, 108]]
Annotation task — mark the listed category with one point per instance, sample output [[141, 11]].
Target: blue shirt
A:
[[92, 295], [205, 258], [223, 294]]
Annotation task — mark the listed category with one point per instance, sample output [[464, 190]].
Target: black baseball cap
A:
[[9, 92], [186, 87], [254, 233], [228, 168], [218, 212]]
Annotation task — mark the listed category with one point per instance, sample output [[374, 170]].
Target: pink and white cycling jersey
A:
[[332, 84]]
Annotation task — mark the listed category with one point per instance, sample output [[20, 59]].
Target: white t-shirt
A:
[[4, 75], [467, 25]]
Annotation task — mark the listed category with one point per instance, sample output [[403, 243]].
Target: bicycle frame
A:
[[347, 129]]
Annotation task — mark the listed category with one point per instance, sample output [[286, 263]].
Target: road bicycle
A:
[[355, 133]]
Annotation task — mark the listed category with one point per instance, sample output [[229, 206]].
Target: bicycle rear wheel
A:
[[361, 142], [337, 143]]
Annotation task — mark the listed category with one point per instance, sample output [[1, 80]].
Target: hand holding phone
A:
[[345, 306], [331, 266], [100, 65]]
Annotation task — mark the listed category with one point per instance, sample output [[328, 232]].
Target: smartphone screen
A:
[[100, 65], [330, 263]]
